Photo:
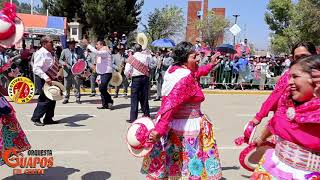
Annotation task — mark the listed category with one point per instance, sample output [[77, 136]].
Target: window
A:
[[74, 31]]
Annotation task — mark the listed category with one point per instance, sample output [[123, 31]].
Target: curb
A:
[[205, 91]]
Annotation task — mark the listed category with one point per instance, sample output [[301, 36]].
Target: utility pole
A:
[[235, 22], [31, 4]]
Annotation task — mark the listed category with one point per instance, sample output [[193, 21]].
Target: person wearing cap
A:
[[68, 58], [188, 148], [43, 61], [104, 70]]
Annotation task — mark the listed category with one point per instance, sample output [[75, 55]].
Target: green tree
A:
[[212, 28], [307, 20], [278, 16], [167, 22], [23, 7]]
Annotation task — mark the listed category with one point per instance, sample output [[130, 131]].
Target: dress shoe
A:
[[116, 96], [129, 121], [92, 95], [65, 101], [157, 99], [102, 107], [38, 123], [50, 122], [78, 101], [110, 106]]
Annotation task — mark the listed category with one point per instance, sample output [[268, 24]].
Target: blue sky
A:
[[251, 19]]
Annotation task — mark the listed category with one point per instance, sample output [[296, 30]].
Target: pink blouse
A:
[[272, 101], [186, 90], [304, 126]]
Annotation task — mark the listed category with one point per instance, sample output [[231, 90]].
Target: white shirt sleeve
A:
[[128, 70], [102, 53], [37, 66]]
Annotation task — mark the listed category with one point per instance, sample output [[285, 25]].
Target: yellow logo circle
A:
[[21, 90]]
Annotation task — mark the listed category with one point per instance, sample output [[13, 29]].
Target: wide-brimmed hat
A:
[[138, 135], [11, 27], [142, 40], [250, 157], [71, 40], [55, 91], [116, 79]]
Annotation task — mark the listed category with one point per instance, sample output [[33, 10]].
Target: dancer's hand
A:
[[214, 58], [255, 121], [154, 136], [259, 141]]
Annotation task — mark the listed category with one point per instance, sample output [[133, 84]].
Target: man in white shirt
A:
[[137, 67], [43, 60], [104, 70]]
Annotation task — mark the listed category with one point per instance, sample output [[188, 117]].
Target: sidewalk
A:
[[205, 91]]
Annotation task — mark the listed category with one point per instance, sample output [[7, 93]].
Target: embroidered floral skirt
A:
[[185, 155], [271, 168], [11, 134]]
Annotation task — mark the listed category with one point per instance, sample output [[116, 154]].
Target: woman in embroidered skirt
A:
[[296, 126], [11, 134], [187, 148]]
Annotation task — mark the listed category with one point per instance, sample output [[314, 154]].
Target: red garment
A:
[[186, 90]]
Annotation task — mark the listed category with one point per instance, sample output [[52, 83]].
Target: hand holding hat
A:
[[54, 91]]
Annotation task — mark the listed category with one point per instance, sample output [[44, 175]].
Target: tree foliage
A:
[[167, 22], [212, 28], [292, 23], [23, 7], [102, 16]]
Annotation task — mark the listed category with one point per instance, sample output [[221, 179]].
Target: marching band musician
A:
[[90, 59], [104, 70], [137, 67], [43, 61], [68, 58], [120, 61]]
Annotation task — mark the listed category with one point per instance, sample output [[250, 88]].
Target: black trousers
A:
[[139, 93], [38, 83], [103, 88], [45, 107]]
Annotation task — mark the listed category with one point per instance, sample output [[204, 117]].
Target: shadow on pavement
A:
[[121, 106], [96, 175], [230, 168], [72, 121], [54, 173], [91, 101]]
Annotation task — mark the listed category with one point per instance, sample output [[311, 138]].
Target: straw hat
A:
[[137, 137], [116, 79], [54, 92], [142, 40], [250, 157], [11, 27]]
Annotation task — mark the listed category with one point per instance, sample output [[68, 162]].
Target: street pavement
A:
[[89, 144]]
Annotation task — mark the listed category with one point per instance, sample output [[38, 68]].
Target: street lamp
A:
[[235, 22]]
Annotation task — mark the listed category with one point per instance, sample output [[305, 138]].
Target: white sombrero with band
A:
[[55, 91], [138, 136], [11, 27], [142, 40]]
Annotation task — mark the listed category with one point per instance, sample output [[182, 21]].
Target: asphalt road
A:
[[89, 144]]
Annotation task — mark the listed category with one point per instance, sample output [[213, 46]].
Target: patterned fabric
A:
[[271, 168], [179, 156], [144, 69], [188, 111], [11, 134]]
